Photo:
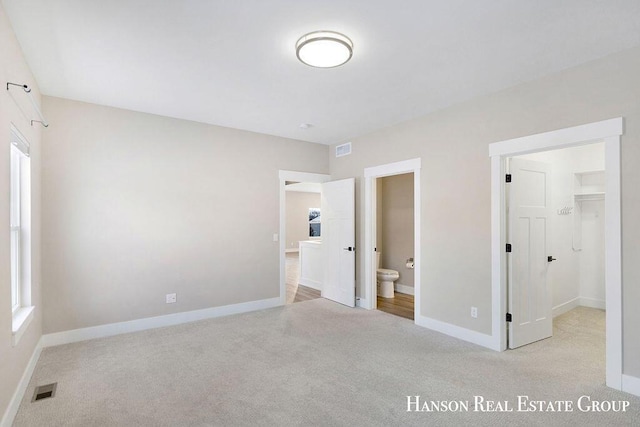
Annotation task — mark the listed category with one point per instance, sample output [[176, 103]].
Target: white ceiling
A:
[[233, 63]]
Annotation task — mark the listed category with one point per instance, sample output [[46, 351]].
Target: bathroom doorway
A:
[[395, 244], [407, 264]]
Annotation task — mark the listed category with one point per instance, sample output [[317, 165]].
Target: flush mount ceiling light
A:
[[324, 49]]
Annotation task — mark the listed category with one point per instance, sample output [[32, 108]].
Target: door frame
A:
[[369, 300], [609, 132], [285, 175]]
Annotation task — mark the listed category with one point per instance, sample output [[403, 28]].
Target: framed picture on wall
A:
[[314, 222]]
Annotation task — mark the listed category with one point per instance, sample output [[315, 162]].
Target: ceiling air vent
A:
[[343, 149]]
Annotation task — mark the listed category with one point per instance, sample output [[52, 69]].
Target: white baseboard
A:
[[578, 302], [287, 251], [564, 307], [593, 303], [631, 384], [111, 329], [403, 289], [363, 303], [310, 283], [14, 404], [464, 334]]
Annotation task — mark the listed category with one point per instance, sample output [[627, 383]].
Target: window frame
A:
[[20, 231], [15, 194]]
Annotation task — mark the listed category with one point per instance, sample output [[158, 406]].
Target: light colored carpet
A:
[[316, 363]]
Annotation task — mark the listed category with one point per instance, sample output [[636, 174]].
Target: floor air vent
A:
[[44, 392]]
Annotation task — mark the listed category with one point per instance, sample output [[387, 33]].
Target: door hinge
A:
[[508, 317], [508, 177], [508, 248]]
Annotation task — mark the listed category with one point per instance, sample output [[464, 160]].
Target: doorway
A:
[[303, 234], [609, 132], [311, 180], [369, 300], [394, 244], [555, 227], [336, 253]]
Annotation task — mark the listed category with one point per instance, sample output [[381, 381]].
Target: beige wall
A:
[[13, 360], [396, 224], [455, 181], [297, 216], [136, 206]]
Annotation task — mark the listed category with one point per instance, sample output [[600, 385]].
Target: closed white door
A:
[[338, 241], [528, 234]]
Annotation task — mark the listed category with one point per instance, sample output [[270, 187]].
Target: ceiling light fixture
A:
[[324, 49]]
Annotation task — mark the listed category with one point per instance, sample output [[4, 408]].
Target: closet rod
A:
[[27, 90]]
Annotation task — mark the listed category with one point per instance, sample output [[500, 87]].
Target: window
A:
[[15, 229], [20, 225]]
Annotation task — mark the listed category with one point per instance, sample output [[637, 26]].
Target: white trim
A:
[[613, 261], [577, 135], [362, 303], [578, 302], [371, 174], [20, 322], [289, 251], [593, 303], [609, 131], [464, 334], [631, 384], [404, 289], [397, 168], [310, 283], [284, 176], [111, 329], [370, 219], [19, 141], [498, 257], [565, 307], [12, 410]]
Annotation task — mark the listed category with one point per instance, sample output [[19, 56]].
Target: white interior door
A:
[[338, 241], [528, 234]]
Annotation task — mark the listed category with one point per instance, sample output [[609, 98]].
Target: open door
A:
[[528, 234], [338, 241]]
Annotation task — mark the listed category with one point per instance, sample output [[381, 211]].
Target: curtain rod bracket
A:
[[27, 90], [41, 122], [24, 87]]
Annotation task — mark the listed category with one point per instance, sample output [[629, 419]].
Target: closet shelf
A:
[[587, 186], [583, 197]]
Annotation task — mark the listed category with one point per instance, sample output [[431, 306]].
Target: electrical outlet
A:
[[171, 298], [474, 312]]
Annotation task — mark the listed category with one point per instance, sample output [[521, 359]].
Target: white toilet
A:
[[385, 279]]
